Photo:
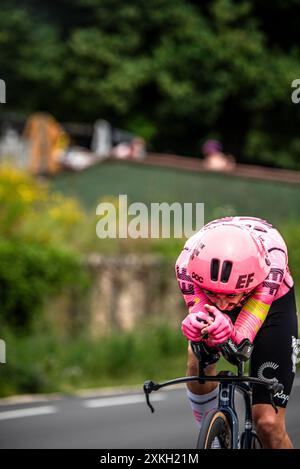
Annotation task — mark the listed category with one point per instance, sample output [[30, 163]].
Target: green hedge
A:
[[47, 362], [30, 272]]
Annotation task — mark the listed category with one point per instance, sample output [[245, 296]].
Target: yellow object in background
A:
[[47, 140]]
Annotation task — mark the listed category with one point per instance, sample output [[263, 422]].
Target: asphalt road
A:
[[114, 421]]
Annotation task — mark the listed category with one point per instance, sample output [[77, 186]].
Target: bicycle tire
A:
[[215, 425], [255, 442]]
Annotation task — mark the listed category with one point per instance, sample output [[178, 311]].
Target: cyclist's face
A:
[[224, 302]]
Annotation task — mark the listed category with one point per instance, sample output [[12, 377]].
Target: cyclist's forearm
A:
[[249, 321]]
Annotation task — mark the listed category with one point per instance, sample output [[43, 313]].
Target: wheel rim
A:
[[222, 434], [255, 442]]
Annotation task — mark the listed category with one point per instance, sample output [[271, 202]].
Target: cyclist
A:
[[234, 276]]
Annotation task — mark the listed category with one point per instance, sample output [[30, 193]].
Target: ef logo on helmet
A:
[[244, 280], [197, 277]]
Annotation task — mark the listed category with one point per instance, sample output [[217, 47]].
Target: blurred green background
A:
[[176, 73]]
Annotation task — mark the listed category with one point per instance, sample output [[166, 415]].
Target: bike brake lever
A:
[[272, 402], [277, 388], [273, 389], [149, 386]]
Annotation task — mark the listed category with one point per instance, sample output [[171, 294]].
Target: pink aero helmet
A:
[[228, 259]]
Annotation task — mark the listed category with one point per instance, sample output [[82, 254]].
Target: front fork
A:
[[247, 437], [226, 402], [226, 405]]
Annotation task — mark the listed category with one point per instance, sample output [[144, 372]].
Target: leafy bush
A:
[[47, 362], [29, 274], [30, 210], [52, 363], [36, 230]]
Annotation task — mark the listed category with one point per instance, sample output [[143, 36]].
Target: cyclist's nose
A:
[[222, 303]]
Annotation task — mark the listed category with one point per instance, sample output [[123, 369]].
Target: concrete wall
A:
[[131, 288]]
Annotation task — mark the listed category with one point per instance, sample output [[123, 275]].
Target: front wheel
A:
[[215, 432], [254, 443]]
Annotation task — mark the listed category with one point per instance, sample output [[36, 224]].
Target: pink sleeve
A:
[[256, 309], [192, 294]]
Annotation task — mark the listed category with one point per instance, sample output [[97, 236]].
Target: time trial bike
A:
[[221, 426]]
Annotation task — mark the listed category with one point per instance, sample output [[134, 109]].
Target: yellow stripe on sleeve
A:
[[257, 308]]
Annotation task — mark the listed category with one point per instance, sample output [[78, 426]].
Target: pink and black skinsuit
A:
[[267, 317]]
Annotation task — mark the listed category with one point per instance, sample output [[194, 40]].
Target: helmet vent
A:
[[214, 269], [226, 271]]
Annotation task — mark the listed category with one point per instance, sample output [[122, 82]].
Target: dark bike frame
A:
[[228, 382]]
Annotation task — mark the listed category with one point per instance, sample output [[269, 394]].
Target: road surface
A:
[[112, 421]]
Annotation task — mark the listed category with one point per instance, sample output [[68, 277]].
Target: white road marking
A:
[[31, 412], [108, 401], [120, 400]]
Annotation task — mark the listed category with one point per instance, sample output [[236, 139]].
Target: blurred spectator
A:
[[110, 141], [102, 139], [138, 148], [77, 158], [122, 150], [134, 149], [47, 142], [215, 159]]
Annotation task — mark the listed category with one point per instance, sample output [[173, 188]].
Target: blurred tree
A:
[[175, 71], [31, 56]]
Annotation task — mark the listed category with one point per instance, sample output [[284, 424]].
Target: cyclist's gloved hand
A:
[[221, 329], [191, 326]]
